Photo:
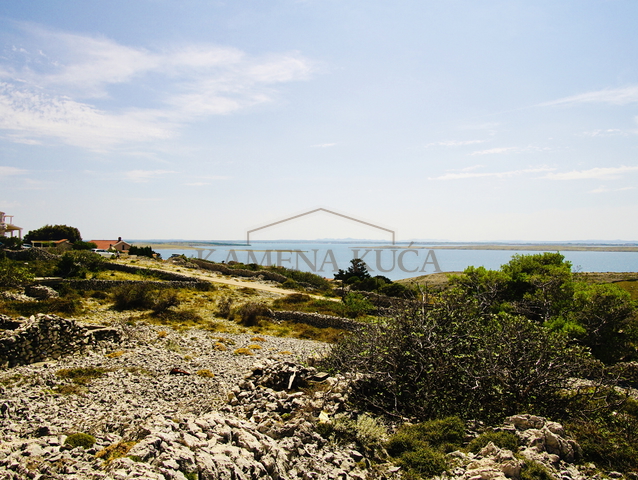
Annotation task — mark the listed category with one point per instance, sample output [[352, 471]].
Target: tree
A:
[[357, 270], [77, 263], [608, 320], [10, 242], [54, 232], [80, 245], [143, 252]]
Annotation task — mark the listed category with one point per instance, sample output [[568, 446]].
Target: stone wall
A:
[[238, 272], [95, 284], [44, 337], [316, 319], [157, 273]]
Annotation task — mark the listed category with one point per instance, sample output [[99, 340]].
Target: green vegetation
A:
[[13, 274], [81, 375], [542, 288], [78, 263], [80, 245], [144, 297], [505, 440], [54, 232], [354, 305], [143, 252], [83, 440], [357, 277], [421, 448], [11, 243], [502, 342]]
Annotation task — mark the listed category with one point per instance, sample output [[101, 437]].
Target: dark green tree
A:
[[80, 245], [78, 263], [10, 242], [143, 252], [357, 270], [54, 232]]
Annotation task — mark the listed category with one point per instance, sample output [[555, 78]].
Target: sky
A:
[[456, 120]]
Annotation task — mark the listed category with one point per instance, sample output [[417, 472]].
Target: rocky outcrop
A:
[[542, 442], [40, 292]]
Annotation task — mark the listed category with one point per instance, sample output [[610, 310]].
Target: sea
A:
[[393, 261]]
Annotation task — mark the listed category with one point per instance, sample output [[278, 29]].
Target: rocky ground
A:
[[162, 404]]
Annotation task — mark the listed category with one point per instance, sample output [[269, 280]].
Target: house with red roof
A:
[[117, 245]]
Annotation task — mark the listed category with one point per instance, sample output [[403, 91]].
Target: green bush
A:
[[12, 274], [143, 252], [70, 305], [81, 375], [438, 362], [357, 305], [250, 313], [534, 471], [425, 462], [224, 307], [83, 440], [144, 297], [505, 440], [78, 263]]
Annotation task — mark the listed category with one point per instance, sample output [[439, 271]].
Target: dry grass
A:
[[243, 351], [116, 354], [299, 330]]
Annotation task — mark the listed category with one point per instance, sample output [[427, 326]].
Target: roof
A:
[[106, 244]]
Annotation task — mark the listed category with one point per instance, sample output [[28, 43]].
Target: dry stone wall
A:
[[238, 272], [43, 337], [96, 284]]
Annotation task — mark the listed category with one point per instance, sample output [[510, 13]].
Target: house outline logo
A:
[[321, 209]]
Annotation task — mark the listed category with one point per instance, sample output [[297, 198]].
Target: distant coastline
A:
[[534, 247]]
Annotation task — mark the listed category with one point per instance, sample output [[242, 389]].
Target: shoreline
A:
[[572, 247]]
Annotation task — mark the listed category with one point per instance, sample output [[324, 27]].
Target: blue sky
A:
[[459, 120]]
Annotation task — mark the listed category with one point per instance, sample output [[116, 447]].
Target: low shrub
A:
[[421, 448], [81, 375], [505, 440], [423, 462], [116, 450], [83, 440], [243, 351], [205, 373], [12, 274], [144, 297], [224, 307], [250, 313], [534, 471], [62, 306]]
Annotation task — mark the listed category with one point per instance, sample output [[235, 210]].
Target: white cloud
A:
[[7, 171], [593, 173], [469, 174], [495, 151], [609, 132], [52, 93], [614, 96], [604, 189], [454, 143], [197, 184], [140, 176], [29, 114], [323, 145]]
